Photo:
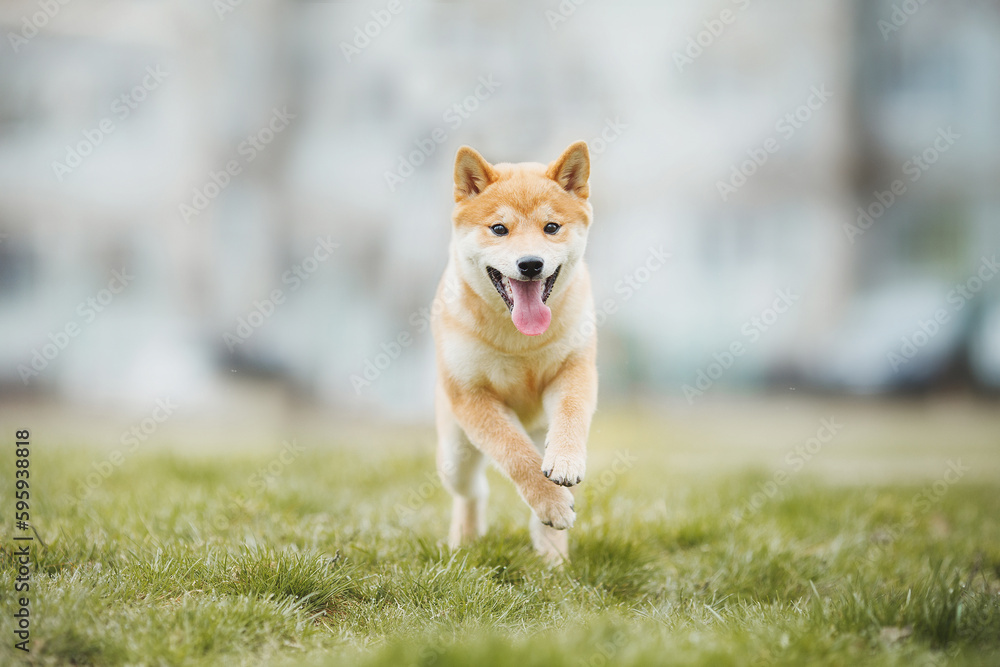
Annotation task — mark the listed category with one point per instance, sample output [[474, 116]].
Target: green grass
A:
[[180, 558]]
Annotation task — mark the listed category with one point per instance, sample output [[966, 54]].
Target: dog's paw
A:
[[563, 469], [554, 507]]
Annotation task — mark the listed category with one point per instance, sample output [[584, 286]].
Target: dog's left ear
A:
[[571, 170]]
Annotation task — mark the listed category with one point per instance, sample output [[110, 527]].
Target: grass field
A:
[[726, 538]]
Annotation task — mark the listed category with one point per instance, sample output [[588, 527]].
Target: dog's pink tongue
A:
[[530, 315]]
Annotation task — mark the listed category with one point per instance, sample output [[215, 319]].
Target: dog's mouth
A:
[[505, 287], [525, 300]]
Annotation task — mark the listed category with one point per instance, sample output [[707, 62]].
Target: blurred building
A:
[[274, 180]]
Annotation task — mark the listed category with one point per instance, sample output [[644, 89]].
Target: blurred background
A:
[[244, 206]]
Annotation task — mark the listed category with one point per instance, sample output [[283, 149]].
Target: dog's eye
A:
[[551, 228], [499, 230]]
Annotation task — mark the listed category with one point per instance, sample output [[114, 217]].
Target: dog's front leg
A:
[[495, 429], [569, 403]]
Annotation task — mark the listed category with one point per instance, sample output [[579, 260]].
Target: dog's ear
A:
[[472, 173], [571, 170]]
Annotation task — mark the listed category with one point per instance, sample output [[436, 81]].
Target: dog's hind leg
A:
[[462, 468], [551, 544]]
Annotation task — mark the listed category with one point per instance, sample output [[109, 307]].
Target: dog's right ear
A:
[[472, 173]]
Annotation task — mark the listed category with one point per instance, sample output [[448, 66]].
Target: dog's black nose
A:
[[530, 266]]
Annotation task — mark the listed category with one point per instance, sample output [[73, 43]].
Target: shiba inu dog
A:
[[516, 345]]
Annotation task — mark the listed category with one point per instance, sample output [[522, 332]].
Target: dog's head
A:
[[520, 229]]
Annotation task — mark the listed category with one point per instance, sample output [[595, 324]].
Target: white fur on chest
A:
[[519, 380]]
